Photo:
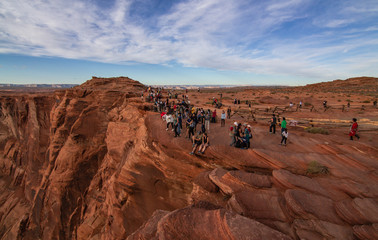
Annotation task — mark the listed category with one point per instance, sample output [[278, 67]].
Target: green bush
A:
[[366, 101], [317, 130], [316, 168], [307, 104]]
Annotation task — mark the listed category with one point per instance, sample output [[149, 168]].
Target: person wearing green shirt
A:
[[283, 124]]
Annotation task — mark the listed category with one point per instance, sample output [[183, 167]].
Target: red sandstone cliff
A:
[[91, 163]]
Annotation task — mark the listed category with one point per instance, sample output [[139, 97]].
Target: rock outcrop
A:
[[92, 162]]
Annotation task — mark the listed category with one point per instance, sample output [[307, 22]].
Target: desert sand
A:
[[96, 162]]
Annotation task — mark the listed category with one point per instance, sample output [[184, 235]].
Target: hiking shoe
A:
[[166, 129], [191, 153]]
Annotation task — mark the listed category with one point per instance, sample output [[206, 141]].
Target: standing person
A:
[[223, 118], [169, 119], [188, 127], [214, 116], [353, 129], [207, 121], [285, 135], [250, 135], [247, 137], [283, 124], [229, 112], [273, 123], [175, 124], [300, 104], [179, 126], [232, 135]]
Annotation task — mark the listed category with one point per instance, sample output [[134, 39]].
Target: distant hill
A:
[[368, 85], [13, 86]]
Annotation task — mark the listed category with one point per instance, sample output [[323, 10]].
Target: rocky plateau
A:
[[95, 162]]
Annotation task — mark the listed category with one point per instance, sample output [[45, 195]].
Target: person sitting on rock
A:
[[205, 143], [197, 141], [353, 129]]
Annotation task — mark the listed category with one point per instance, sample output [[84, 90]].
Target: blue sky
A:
[[254, 42]]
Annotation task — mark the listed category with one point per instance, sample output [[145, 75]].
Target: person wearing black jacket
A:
[[273, 123]]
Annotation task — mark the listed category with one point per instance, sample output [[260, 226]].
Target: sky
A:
[[241, 42]]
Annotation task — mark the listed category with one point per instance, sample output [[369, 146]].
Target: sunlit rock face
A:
[[93, 162]]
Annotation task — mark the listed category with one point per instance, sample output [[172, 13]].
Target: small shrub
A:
[[307, 104], [339, 100], [366, 101], [287, 97], [316, 168], [317, 130]]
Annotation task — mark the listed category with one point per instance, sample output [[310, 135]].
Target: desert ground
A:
[[95, 162]]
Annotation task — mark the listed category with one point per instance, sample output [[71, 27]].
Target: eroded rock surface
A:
[[92, 162]]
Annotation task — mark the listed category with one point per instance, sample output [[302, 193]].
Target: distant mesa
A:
[[16, 86]]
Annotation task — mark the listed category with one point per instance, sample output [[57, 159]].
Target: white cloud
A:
[[219, 34]]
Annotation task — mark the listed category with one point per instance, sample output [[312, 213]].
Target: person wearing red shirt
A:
[[353, 129]]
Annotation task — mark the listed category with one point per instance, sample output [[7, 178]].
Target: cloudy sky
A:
[[286, 42]]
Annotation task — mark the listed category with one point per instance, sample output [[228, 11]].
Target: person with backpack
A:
[[353, 129], [285, 135], [273, 123]]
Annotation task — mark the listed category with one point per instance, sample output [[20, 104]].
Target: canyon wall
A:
[[91, 162]]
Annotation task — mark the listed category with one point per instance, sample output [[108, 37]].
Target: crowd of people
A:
[[184, 119], [177, 111]]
